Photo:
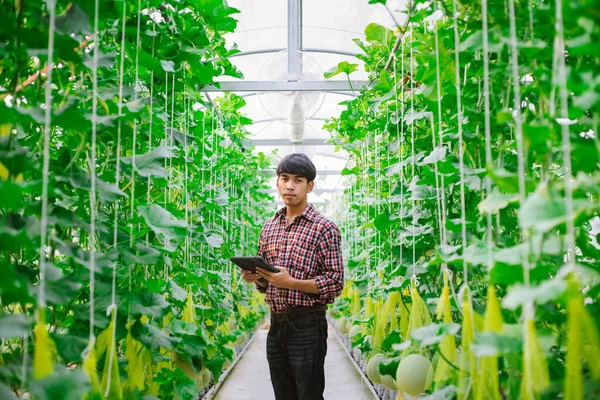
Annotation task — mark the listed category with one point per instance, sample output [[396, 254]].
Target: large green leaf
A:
[[163, 222], [152, 162]]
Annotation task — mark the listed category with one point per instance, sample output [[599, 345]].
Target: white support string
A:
[[461, 162], [113, 305], [518, 123], [412, 161], [151, 112], [45, 177], [559, 47], [440, 128], [166, 124], [488, 136], [93, 173], [135, 124], [46, 155]]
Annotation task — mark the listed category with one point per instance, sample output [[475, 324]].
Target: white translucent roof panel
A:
[[328, 28]]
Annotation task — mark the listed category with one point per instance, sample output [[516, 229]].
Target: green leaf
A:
[[445, 393], [214, 240], [151, 163], [518, 295], [64, 384], [177, 292], [6, 393], [493, 344], [434, 333], [353, 171], [376, 33], [153, 337], [343, 67], [163, 222], [389, 366], [148, 304], [81, 180], [14, 325], [542, 210], [391, 339], [12, 196], [437, 154], [168, 66], [496, 201], [384, 221]]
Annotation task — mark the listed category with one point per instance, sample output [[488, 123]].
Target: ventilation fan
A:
[[291, 107]]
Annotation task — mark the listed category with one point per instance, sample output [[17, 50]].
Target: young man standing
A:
[[305, 247]]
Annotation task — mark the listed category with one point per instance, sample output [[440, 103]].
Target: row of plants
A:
[[473, 262], [148, 189]]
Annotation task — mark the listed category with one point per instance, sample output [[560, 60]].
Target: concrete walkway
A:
[[249, 379]]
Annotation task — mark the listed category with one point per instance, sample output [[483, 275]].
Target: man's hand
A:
[[249, 276], [282, 279]]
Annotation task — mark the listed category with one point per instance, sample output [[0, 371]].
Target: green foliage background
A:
[[184, 203], [392, 209]]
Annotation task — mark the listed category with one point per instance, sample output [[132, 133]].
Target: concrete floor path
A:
[[249, 379]]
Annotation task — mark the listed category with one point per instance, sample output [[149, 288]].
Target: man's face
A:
[[293, 188]]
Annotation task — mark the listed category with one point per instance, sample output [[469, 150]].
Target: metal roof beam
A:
[[319, 172], [287, 142], [286, 86]]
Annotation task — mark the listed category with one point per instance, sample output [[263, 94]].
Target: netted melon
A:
[[373, 368], [414, 374]]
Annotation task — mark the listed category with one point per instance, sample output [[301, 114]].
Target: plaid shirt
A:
[[310, 248]]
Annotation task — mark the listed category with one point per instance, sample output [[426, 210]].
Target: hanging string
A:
[[412, 155], [113, 306], [166, 125], [134, 134], [46, 155], [518, 123], [488, 135], [93, 172], [460, 140], [151, 112], [440, 128], [45, 178], [559, 48]]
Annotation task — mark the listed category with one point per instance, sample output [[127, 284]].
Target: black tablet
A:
[[251, 263]]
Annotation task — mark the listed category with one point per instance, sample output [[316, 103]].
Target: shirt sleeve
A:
[[330, 279], [261, 253]]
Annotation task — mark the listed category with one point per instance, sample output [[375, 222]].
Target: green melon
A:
[[205, 377], [388, 382], [373, 368], [342, 325], [354, 330], [414, 374]]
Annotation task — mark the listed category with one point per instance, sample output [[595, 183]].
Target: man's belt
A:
[[297, 312]]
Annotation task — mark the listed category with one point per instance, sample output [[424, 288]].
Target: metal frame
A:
[[294, 39], [287, 86], [287, 142], [324, 172]]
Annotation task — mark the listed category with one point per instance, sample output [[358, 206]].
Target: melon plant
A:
[[144, 183], [475, 155]]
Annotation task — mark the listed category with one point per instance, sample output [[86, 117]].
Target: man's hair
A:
[[297, 164]]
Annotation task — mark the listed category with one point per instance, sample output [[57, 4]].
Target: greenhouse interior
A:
[[457, 162]]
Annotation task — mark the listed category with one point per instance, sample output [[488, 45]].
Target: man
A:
[[305, 247]]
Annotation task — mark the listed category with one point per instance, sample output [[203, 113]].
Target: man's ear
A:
[[311, 186]]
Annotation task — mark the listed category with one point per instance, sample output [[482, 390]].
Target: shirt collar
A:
[[309, 212]]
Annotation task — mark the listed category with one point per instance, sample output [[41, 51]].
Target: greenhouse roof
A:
[[323, 32]]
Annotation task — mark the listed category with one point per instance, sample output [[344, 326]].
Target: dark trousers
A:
[[296, 349]]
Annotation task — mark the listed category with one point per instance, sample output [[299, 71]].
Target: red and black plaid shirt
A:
[[310, 248]]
